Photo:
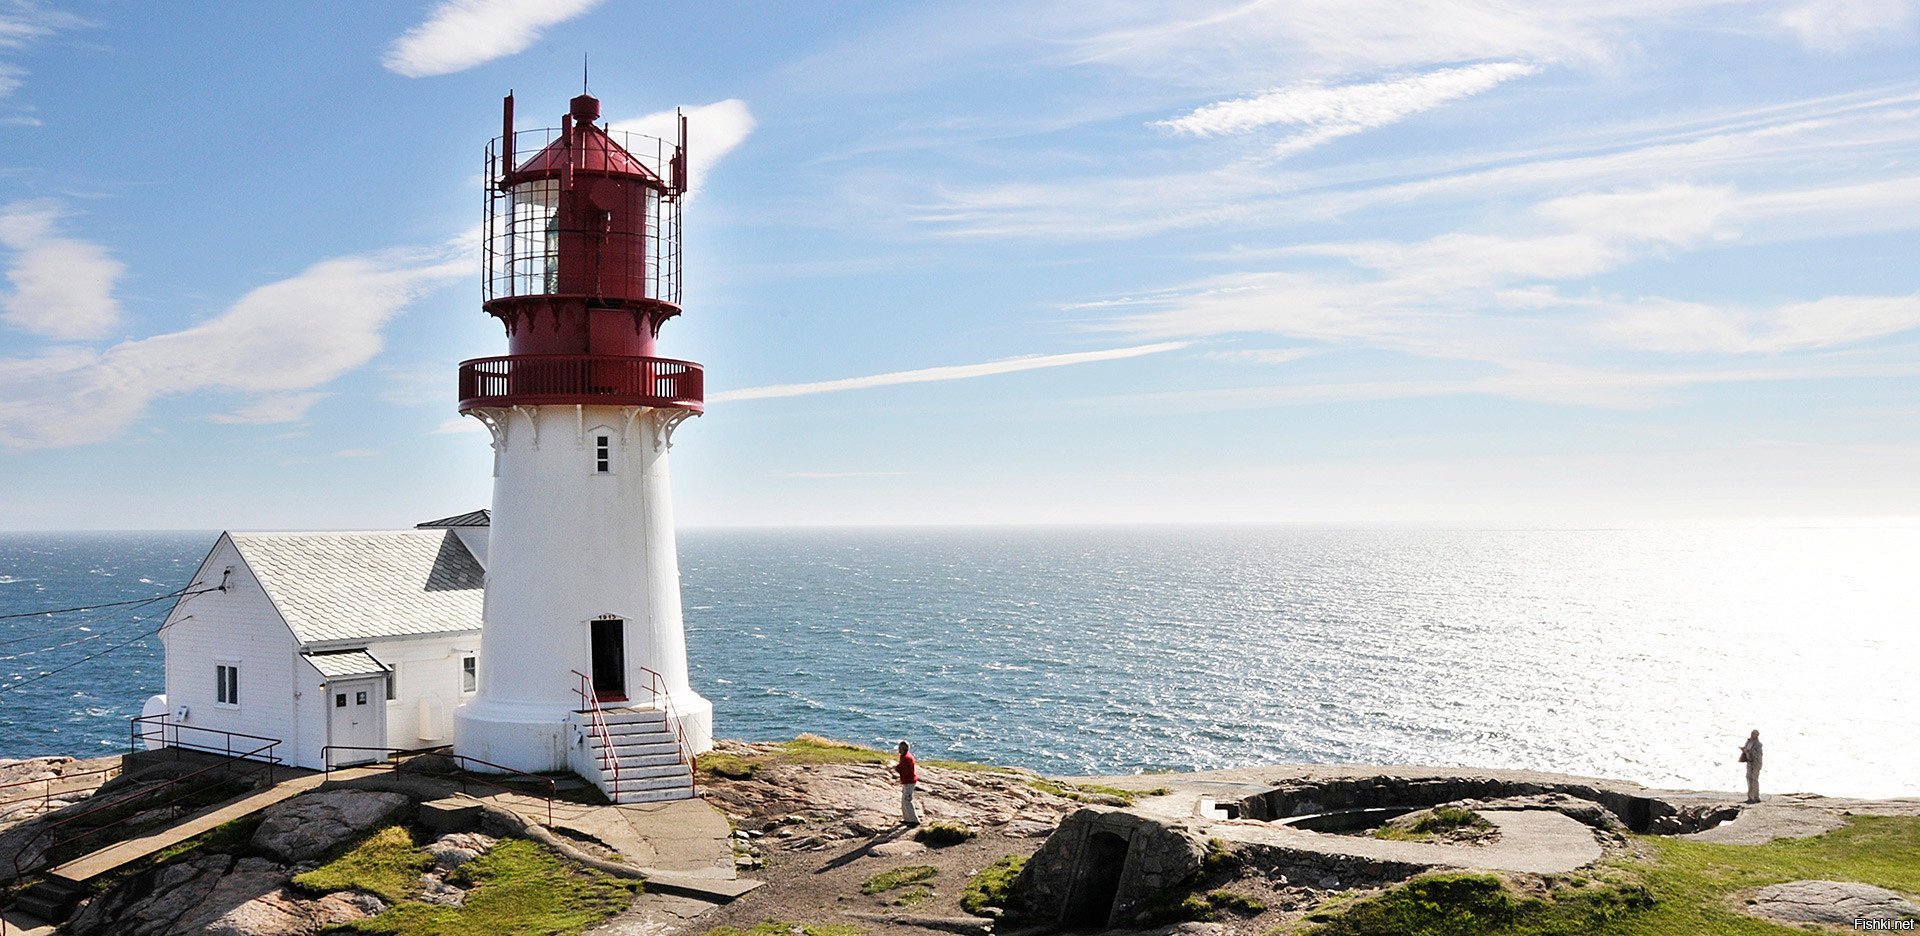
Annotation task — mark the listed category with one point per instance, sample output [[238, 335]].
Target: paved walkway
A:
[[1531, 841], [87, 867]]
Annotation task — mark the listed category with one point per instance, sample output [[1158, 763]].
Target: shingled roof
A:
[[357, 586]]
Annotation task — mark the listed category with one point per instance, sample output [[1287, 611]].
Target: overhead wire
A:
[[177, 593], [183, 594]]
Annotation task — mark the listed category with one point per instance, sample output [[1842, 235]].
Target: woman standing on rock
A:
[[1750, 756]]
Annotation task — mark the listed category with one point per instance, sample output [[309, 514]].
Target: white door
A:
[[357, 720]]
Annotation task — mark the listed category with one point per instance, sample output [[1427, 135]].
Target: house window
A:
[[359, 698], [469, 674], [393, 682], [602, 454], [226, 688], [340, 700]]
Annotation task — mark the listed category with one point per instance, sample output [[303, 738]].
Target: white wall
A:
[[237, 626], [427, 671]]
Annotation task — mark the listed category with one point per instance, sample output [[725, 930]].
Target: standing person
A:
[[909, 778], [1750, 756]]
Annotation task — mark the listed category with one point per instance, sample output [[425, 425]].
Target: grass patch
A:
[[518, 887], [992, 886], [1092, 792], [785, 928], [942, 833], [913, 896], [897, 878], [385, 864], [813, 749], [728, 766], [1432, 824], [1686, 887]]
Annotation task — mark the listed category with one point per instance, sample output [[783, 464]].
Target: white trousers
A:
[[907, 815]]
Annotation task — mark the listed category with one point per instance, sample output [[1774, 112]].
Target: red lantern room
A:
[[582, 254]]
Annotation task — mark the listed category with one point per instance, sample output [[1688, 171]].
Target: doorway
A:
[[609, 639], [356, 720], [1090, 903]]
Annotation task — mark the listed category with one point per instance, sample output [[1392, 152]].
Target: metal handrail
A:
[[47, 796], [664, 701], [553, 788], [610, 379], [265, 763], [597, 718], [135, 735]]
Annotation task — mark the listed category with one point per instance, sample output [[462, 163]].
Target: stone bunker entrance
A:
[[1091, 901]]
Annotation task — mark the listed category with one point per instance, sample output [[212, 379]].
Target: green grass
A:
[[728, 766], [385, 864], [1092, 792], [941, 834], [897, 878], [1436, 823], [518, 887], [785, 928], [813, 749], [1686, 887], [992, 886], [912, 896]]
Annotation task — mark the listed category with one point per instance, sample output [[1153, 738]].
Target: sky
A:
[[1085, 261]]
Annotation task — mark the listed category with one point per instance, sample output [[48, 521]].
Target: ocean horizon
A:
[[1643, 653]]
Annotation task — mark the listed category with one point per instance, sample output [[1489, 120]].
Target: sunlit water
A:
[[1644, 654]]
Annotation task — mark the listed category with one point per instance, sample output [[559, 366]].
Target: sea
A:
[[1645, 654]]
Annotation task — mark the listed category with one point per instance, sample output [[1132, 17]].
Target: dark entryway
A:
[[610, 660], [1091, 903]]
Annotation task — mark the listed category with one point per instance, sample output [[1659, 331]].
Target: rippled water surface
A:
[[1644, 654]]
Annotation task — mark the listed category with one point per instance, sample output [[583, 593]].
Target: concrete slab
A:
[[1531, 841], [87, 867]]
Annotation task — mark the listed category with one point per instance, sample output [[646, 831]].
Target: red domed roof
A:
[[592, 151]]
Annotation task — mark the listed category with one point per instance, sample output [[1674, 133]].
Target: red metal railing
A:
[[663, 700], [597, 717], [581, 378], [262, 758], [46, 796], [391, 761]]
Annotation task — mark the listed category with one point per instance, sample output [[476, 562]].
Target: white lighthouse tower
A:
[[583, 660]]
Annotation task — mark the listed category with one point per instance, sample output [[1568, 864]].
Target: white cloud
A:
[[459, 34], [1833, 25], [952, 372], [713, 130], [1670, 326], [1327, 112], [279, 408], [61, 287], [288, 336], [458, 424]]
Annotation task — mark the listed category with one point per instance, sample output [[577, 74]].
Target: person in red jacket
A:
[[909, 778]]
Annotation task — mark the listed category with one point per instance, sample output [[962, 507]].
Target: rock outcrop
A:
[[307, 827], [1830, 903], [217, 895]]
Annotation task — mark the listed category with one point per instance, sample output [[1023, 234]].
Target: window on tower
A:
[[602, 454]]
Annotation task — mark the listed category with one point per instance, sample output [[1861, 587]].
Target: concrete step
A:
[[649, 771], [654, 796], [638, 747], [52, 899], [629, 716], [635, 730]]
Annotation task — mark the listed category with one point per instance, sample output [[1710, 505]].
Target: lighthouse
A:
[[583, 660]]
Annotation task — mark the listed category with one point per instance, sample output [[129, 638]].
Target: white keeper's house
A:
[[362, 641]]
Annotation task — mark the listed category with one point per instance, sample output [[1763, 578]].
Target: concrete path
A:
[[87, 867], [1531, 841]]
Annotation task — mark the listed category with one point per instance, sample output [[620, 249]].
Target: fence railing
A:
[[54, 836], [46, 795], [602, 379], [663, 700], [597, 718], [390, 758]]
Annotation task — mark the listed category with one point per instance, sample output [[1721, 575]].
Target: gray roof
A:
[[356, 586], [472, 518], [341, 663]]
